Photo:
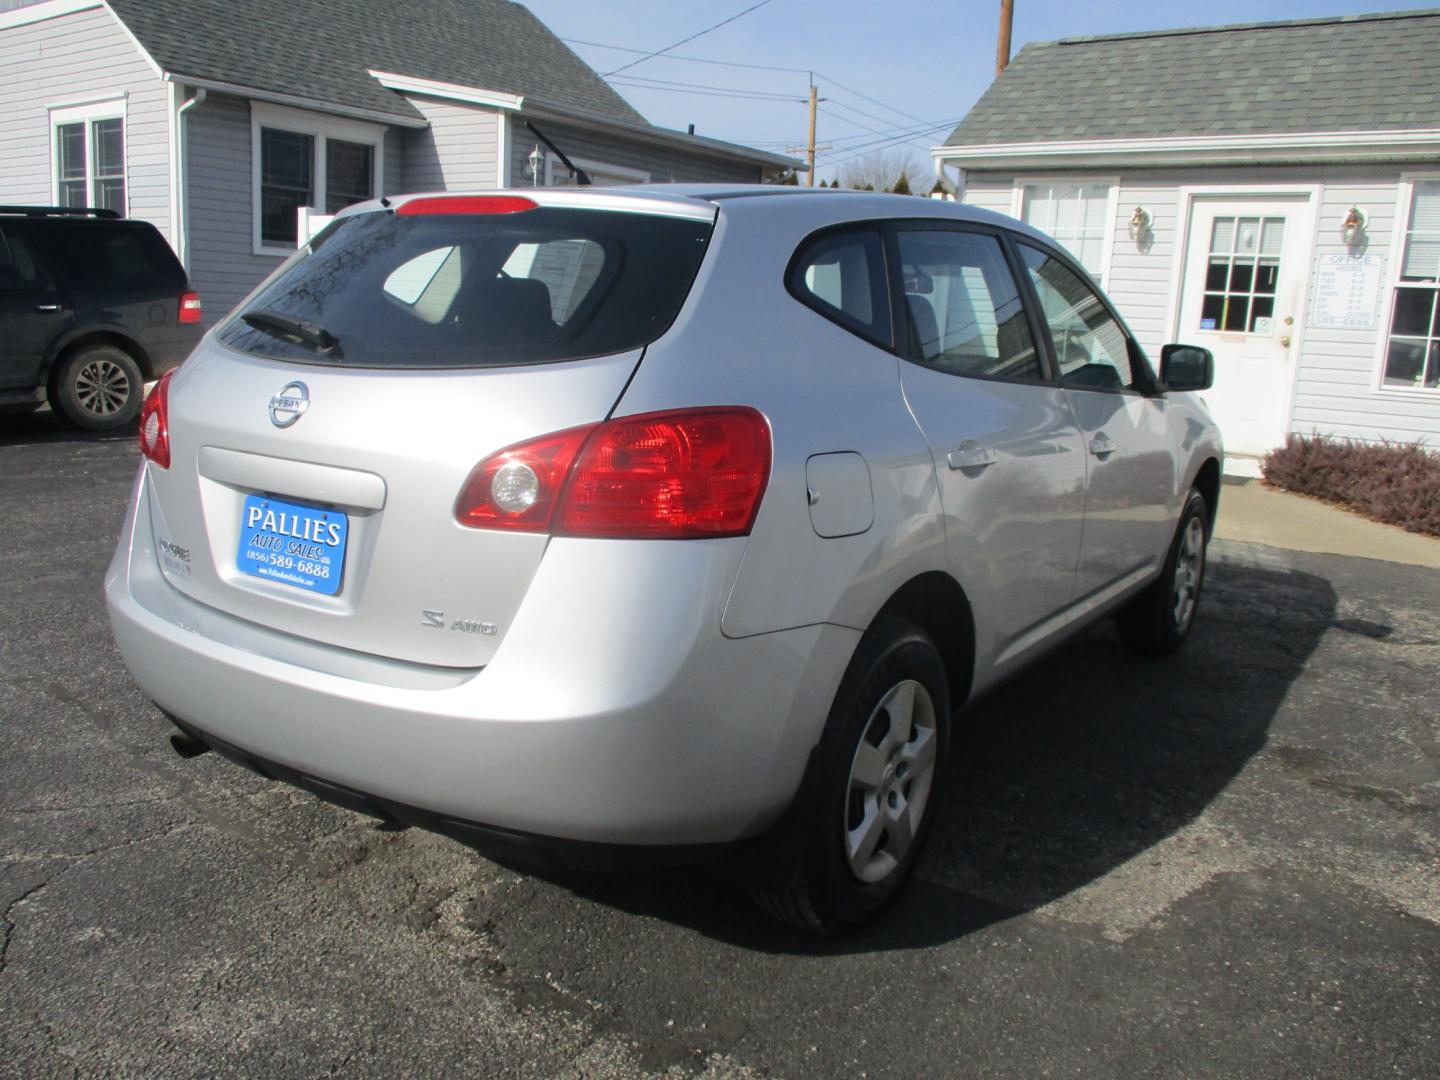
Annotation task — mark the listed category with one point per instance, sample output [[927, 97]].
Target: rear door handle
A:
[[1100, 445], [47, 307], [971, 457]]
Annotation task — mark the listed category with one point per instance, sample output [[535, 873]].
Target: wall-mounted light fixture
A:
[[1139, 223], [537, 162], [1352, 229]]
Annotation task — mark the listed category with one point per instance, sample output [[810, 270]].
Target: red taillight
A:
[[155, 423], [467, 204], [517, 488], [674, 475], [189, 308]]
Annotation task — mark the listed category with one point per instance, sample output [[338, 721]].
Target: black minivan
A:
[[92, 306]]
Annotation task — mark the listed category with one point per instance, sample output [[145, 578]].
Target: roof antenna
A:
[[580, 175]]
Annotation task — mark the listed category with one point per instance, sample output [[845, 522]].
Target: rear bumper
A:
[[614, 711]]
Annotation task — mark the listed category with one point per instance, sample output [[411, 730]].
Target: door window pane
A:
[[349, 174], [1091, 348], [287, 163], [1241, 275], [842, 276], [963, 308], [1076, 215]]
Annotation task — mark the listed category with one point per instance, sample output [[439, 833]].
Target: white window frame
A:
[[88, 112], [553, 163], [1405, 196], [321, 127], [1112, 203]]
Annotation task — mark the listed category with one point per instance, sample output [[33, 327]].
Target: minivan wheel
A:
[[878, 773], [1159, 619], [98, 388]]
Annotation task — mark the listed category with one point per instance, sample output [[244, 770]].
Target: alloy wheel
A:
[[102, 387], [890, 781]]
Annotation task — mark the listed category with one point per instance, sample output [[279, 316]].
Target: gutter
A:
[[182, 195]]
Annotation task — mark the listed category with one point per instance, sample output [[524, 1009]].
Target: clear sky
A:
[[883, 69]]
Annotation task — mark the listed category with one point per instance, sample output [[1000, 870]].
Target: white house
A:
[[1270, 191], [217, 120]]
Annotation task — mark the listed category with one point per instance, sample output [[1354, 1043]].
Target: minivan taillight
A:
[[673, 475], [189, 308], [155, 423]]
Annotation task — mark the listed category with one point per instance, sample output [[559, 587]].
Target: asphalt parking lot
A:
[[1225, 863]]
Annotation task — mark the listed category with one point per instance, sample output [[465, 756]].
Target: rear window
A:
[[449, 290], [105, 256]]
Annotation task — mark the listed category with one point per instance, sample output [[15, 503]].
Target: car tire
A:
[[1159, 619], [98, 388], [876, 775]]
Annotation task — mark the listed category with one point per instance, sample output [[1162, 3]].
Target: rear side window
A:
[[102, 256], [18, 269], [455, 290], [842, 276]]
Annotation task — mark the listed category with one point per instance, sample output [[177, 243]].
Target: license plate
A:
[[303, 546]]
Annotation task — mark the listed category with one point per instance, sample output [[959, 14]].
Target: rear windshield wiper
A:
[[296, 331]]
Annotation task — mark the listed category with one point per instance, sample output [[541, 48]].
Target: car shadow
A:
[[1065, 773], [44, 426]]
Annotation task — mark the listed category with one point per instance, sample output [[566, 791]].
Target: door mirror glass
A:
[[1186, 367]]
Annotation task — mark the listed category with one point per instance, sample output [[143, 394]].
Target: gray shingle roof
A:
[[322, 49], [1357, 73]]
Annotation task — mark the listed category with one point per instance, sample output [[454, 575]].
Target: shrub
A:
[[1395, 483]]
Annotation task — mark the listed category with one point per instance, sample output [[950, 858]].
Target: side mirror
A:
[[1186, 367]]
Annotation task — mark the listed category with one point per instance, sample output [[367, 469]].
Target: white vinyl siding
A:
[[72, 62], [457, 152], [990, 193]]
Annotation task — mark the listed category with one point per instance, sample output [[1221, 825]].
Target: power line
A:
[[687, 59], [775, 95], [682, 41], [708, 93], [852, 152], [864, 97]]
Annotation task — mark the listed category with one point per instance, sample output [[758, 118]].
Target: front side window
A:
[[1077, 215], [1091, 348], [1412, 360], [963, 308], [90, 160], [842, 276]]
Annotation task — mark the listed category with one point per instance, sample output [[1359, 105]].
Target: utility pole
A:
[[1002, 46], [810, 146]]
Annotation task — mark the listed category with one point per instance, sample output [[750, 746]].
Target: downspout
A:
[[183, 181]]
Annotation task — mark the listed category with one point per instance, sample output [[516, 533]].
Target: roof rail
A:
[[59, 211]]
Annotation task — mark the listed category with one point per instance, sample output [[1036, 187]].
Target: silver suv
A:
[[672, 523]]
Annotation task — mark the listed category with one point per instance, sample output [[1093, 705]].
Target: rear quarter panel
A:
[[743, 339]]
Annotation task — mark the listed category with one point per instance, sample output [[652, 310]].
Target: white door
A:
[[1241, 298]]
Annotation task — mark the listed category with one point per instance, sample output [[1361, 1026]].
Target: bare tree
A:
[[881, 169]]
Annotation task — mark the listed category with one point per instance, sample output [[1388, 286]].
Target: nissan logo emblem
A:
[[289, 404]]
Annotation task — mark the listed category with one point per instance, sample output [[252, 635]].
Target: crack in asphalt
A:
[[74, 861], [9, 927]]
